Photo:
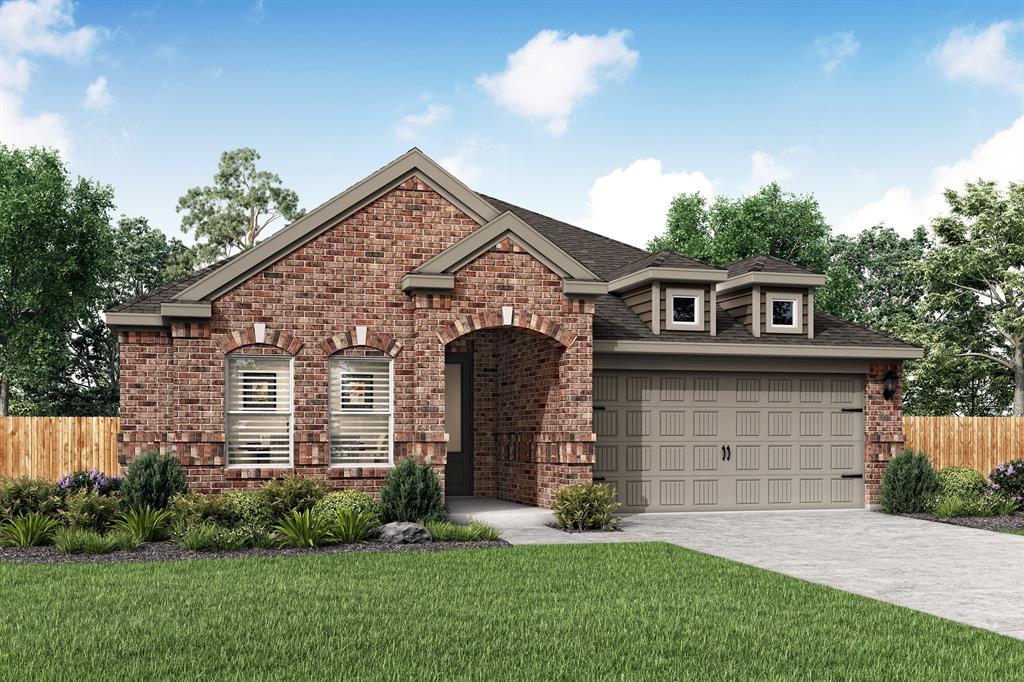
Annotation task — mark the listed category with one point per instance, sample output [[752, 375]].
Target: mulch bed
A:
[[165, 551], [995, 523]]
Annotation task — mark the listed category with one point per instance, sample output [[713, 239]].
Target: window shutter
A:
[[361, 411], [259, 411]]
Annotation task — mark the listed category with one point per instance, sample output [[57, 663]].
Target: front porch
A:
[[518, 414]]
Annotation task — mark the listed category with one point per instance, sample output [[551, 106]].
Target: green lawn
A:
[[1014, 532], [622, 611]]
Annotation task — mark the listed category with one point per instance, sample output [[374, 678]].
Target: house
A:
[[410, 316]]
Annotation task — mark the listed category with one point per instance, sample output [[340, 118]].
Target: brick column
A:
[[883, 428]]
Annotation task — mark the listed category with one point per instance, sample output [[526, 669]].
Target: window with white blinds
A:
[[361, 411], [259, 411]]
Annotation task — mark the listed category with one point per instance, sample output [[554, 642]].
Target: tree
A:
[[978, 264], [55, 247], [241, 204], [83, 380], [877, 279], [771, 222]]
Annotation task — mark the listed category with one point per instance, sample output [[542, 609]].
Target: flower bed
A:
[[166, 551], [994, 523]]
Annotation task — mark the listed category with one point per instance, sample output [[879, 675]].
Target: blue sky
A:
[[593, 112]]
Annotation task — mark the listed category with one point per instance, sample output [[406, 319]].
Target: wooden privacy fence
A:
[[977, 442], [49, 447]]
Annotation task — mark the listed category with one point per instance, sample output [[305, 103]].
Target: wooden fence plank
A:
[[49, 447], [980, 443]]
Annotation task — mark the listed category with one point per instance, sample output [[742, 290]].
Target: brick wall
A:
[[883, 428], [310, 303]]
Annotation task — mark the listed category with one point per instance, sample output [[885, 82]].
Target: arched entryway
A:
[[509, 414]]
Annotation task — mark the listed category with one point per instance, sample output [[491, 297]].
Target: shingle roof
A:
[[150, 301], [763, 263], [603, 256], [661, 259], [615, 321]]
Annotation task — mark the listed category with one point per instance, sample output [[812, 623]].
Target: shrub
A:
[[87, 510], [192, 508], [93, 481], [302, 529], [412, 492], [331, 504], [84, 541], [446, 531], [351, 525], [207, 537], [24, 495], [953, 505], [586, 506], [291, 493], [1008, 479], [962, 481], [27, 530], [909, 484], [146, 524], [152, 479], [249, 509]]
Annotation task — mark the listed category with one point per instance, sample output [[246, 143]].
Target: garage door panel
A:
[[661, 438]]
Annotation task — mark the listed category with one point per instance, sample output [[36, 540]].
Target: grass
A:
[[1013, 532], [447, 531], [573, 612]]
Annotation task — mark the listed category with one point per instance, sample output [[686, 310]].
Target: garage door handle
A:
[[728, 449], [723, 453], [852, 409], [852, 476]]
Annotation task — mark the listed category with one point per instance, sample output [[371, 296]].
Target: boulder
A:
[[403, 532]]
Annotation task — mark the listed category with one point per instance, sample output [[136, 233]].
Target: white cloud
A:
[[37, 28], [465, 163], [765, 168], [1000, 158], [97, 97], [14, 72], [44, 129], [981, 56], [551, 74], [410, 127], [834, 48], [44, 27], [630, 204]]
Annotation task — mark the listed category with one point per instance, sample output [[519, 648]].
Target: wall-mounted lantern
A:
[[892, 382]]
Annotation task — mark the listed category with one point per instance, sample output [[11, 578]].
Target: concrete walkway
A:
[[971, 576]]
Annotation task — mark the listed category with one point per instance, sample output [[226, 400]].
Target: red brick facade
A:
[[883, 427], [312, 303]]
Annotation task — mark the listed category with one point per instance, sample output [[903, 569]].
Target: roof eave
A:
[[651, 274], [755, 349]]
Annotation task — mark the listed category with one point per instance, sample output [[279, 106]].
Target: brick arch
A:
[[533, 322], [259, 333], [361, 337]]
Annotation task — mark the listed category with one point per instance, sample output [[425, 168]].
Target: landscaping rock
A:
[[403, 533]]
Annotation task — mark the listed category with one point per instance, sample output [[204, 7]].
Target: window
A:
[[782, 312], [258, 422], [684, 309], [361, 398]]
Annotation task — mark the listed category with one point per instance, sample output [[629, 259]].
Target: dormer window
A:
[[783, 312], [684, 309]]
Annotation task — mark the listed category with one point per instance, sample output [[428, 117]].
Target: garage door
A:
[[719, 441]]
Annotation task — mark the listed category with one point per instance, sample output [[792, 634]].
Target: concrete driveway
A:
[[971, 576]]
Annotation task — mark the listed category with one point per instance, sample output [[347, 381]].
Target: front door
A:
[[458, 423]]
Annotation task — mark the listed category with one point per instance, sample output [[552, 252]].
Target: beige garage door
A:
[[689, 441]]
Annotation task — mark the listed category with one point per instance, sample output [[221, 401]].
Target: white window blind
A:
[[361, 411], [259, 411]]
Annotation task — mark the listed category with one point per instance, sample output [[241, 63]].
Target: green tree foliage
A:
[[55, 248], [769, 222], [230, 215], [975, 277]]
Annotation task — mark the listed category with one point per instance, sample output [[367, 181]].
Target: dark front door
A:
[[458, 402]]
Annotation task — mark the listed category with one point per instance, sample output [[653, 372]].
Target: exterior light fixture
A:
[[892, 382]]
